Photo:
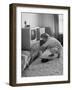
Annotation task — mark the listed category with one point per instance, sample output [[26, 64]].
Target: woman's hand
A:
[[42, 48]]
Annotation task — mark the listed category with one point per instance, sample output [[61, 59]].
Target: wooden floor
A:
[[37, 68]]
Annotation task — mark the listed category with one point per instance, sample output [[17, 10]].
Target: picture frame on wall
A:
[[39, 44]]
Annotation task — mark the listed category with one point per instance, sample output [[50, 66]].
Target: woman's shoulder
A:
[[52, 38]]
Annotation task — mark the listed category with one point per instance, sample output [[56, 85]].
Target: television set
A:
[[29, 37]]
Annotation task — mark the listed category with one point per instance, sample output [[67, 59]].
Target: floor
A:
[[37, 68]]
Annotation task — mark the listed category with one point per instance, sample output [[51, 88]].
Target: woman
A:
[[51, 44]]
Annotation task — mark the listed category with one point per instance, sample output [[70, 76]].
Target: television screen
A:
[[33, 34], [38, 33]]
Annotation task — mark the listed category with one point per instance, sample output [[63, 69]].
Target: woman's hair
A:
[[45, 35]]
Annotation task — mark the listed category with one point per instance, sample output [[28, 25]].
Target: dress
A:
[[53, 44]]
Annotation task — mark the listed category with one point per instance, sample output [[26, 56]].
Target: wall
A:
[[4, 45], [41, 20], [31, 19], [47, 20]]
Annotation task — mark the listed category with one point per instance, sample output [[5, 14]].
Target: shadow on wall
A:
[[60, 38]]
